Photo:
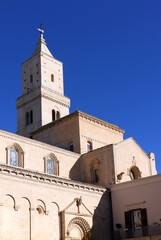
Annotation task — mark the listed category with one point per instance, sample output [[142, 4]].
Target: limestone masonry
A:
[[57, 173]]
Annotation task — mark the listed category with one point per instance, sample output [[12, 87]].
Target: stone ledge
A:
[[50, 179]]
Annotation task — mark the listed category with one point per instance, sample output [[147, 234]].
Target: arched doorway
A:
[[78, 229]]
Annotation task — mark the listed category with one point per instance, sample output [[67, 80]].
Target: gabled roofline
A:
[[84, 115], [131, 138]]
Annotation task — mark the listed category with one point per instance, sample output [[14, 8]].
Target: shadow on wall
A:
[[102, 228], [76, 172]]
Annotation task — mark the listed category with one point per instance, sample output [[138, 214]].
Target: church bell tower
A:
[[42, 99]]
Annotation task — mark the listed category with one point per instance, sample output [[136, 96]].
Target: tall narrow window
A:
[[52, 77], [53, 115], [13, 157], [31, 116], [57, 115], [89, 146], [49, 166], [27, 118], [31, 78]]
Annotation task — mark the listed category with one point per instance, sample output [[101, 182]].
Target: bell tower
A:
[[42, 99]]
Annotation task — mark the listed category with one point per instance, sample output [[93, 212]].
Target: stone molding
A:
[[64, 103], [37, 143], [42, 177], [99, 121], [83, 115], [93, 139], [43, 55]]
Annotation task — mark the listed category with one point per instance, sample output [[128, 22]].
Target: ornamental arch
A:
[[78, 229]]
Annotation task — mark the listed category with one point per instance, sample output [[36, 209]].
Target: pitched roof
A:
[[41, 48]]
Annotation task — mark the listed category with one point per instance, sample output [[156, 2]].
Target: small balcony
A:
[[138, 232]]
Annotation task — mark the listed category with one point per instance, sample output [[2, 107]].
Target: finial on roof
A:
[[41, 31]]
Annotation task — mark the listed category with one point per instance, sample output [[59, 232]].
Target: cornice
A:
[[83, 115], [42, 55], [42, 177], [66, 104], [99, 121]]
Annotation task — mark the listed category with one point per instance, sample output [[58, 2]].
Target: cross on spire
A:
[[41, 31]]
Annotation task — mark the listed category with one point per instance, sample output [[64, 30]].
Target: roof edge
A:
[[82, 114]]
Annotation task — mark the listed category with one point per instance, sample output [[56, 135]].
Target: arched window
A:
[[31, 116], [53, 115], [15, 155], [57, 115], [52, 77], [95, 171], [89, 146], [31, 78], [27, 118], [51, 164], [135, 173]]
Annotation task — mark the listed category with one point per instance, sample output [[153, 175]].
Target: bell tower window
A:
[[31, 116], [53, 115], [52, 77], [31, 78], [27, 119], [57, 115]]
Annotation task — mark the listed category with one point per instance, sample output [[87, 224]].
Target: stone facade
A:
[[57, 171], [78, 129], [39, 206]]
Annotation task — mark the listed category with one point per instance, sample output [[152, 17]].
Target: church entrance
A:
[[78, 229], [76, 232]]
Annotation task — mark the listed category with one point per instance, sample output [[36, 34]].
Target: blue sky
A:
[[111, 52]]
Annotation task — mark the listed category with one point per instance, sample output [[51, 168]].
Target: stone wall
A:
[[36, 206], [35, 153], [78, 128]]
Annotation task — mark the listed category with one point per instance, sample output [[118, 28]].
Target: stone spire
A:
[[41, 45]]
